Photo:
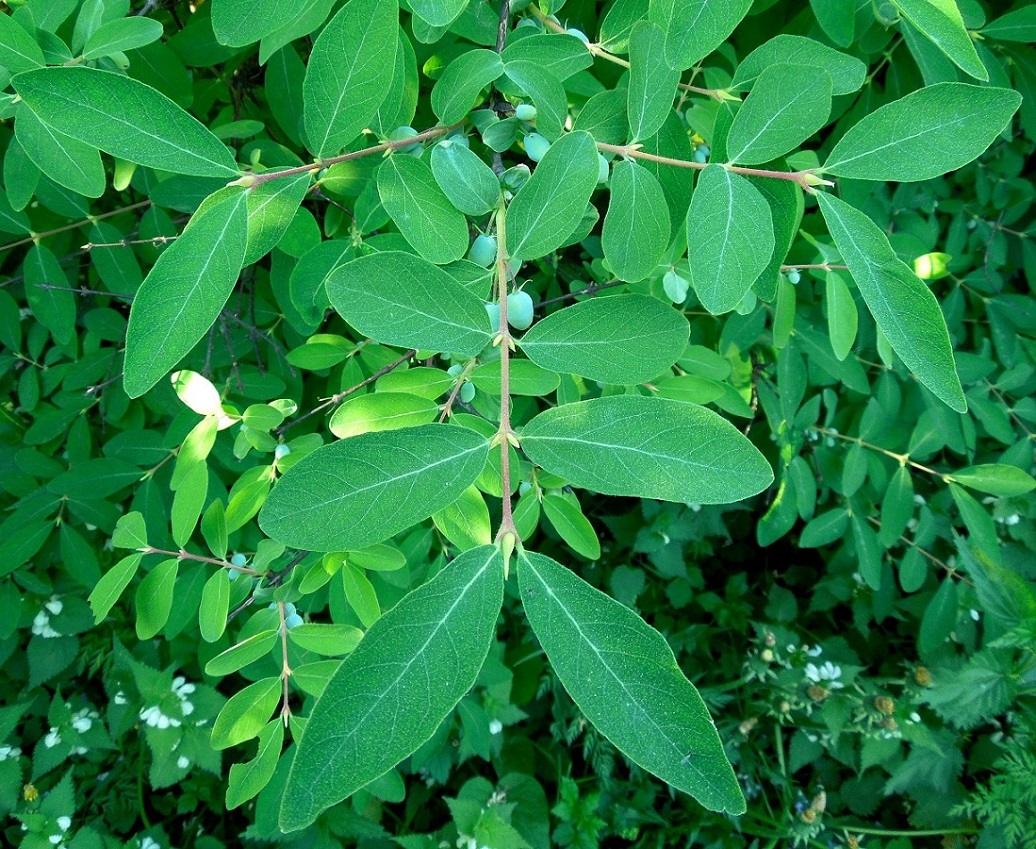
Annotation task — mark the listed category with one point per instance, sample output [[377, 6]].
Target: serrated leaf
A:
[[786, 107], [623, 339], [624, 678], [925, 134], [391, 694], [401, 299], [904, 308], [647, 447], [694, 28], [421, 210], [550, 206], [730, 229], [349, 73], [184, 292], [636, 228], [363, 490], [125, 118]]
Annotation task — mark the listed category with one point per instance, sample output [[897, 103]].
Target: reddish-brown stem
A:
[[35, 237], [801, 178], [266, 176], [504, 340], [285, 668], [185, 555]]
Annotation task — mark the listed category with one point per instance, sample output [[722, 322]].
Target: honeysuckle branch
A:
[[186, 555], [341, 396], [719, 94], [806, 180], [505, 435], [285, 667], [35, 237], [818, 266], [251, 180], [953, 573], [902, 459]]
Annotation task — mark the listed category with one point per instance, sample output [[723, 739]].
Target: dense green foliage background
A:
[[862, 631]]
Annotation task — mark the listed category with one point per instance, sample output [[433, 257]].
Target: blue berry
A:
[[483, 250], [536, 146], [519, 310]]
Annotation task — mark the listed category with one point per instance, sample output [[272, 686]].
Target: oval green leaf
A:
[[636, 228]]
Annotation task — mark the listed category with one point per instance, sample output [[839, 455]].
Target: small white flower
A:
[[183, 762], [55, 605], [55, 839], [915, 717], [64, 823], [119, 698], [791, 647], [919, 499], [827, 673], [816, 651], [496, 726], [149, 843], [79, 750], [52, 739], [187, 708], [1013, 519], [9, 752], [41, 626], [974, 614], [82, 724]]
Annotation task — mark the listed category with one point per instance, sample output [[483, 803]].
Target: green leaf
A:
[[466, 521], [391, 694], [636, 228], [243, 653], [526, 378], [560, 54], [363, 490], [465, 179], [572, 526], [842, 315], [188, 502], [421, 210], [996, 479], [46, 289], [788, 104], [647, 447], [730, 227], [837, 20], [438, 13], [694, 28], [349, 73], [624, 678], [464, 77], [111, 586], [942, 24], [248, 779], [940, 618], [902, 305], [18, 50], [624, 339], [130, 532], [925, 134], [360, 594], [1018, 25], [400, 299], [847, 72], [246, 713], [271, 208], [381, 411], [184, 292], [240, 22], [120, 35], [125, 118], [652, 84], [546, 92], [328, 640], [215, 604], [154, 598], [549, 207]]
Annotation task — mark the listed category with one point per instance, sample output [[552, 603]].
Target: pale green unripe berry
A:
[[403, 133], [519, 310], [578, 33], [467, 392], [602, 169], [454, 371], [525, 112], [701, 153], [239, 560], [524, 488], [483, 250], [536, 146], [794, 277]]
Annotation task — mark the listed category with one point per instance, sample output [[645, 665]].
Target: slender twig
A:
[[285, 668], [186, 555], [902, 459], [125, 243], [601, 53], [341, 396], [35, 237], [925, 553], [505, 436], [266, 176], [806, 180], [819, 266], [592, 289]]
